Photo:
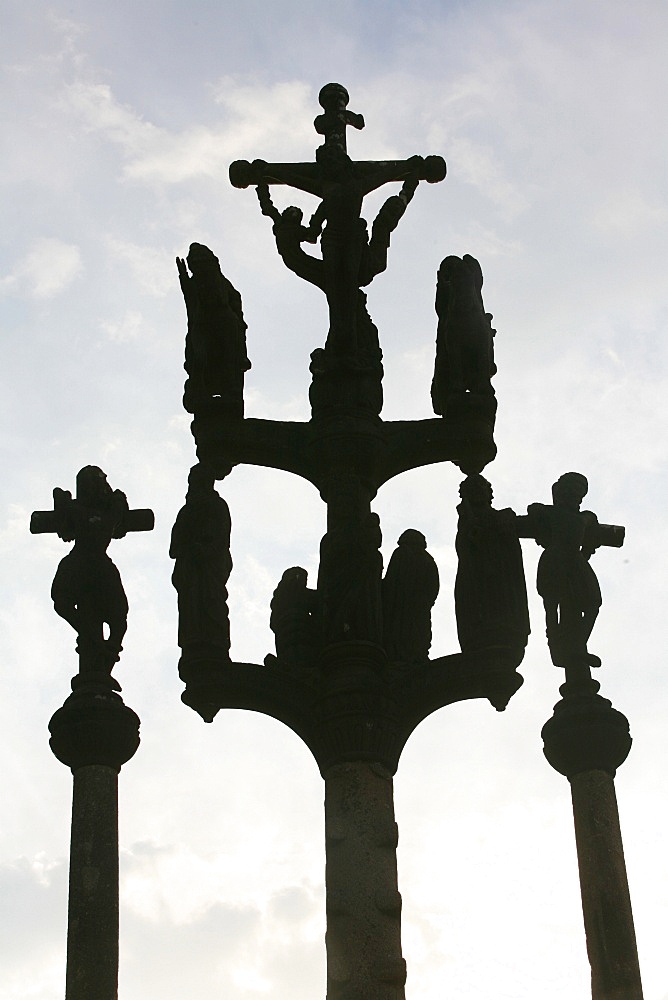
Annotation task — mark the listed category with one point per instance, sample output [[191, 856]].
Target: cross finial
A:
[[333, 123]]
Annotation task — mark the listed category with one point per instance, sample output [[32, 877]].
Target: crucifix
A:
[[87, 590], [566, 580], [349, 258]]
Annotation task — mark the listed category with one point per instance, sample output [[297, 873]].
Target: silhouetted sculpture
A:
[[352, 337], [490, 590], [349, 258], [349, 581], [294, 620], [566, 581], [464, 339], [93, 733], [200, 546], [216, 357], [410, 588], [87, 590]]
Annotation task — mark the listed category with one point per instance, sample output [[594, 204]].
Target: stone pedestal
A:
[[364, 960], [94, 733], [586, 740]]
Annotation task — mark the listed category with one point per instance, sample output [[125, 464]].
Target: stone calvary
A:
[[352, 673]]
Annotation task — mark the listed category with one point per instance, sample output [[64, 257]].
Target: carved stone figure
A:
[[349, 581], [490, 590], [294, 619], [353, 338], [216, 357], [410, 589], [566, 581], [87, 590], [200, 546], [465, 338]]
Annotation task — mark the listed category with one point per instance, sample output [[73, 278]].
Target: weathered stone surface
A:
[[587, 740], [364, 960], [94, 727], [586, 734], [352, 704], [606, 903], [92, 928]]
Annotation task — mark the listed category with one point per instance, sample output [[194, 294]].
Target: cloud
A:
[[477, 164], [629, 213], [32, 942], [129, 327], [155, 155], [152, 268], [47, 269]]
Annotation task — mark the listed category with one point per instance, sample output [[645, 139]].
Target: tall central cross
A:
[[351, 675]]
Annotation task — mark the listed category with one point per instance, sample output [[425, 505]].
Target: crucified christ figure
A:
[[350, 259]]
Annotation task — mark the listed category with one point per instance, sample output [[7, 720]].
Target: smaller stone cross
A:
[[87, 590], [566, 580]]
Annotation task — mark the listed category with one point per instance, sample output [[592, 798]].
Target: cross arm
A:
[[468, 443], [48, 521], [376, 173], [536, 524], [303, 176]]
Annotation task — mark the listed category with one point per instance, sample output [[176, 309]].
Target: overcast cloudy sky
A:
[[119, 123]]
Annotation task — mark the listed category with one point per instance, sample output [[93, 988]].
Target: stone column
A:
[[94, 733], [586, 740], [364, 960]]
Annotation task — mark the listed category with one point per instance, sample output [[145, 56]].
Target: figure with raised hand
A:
[[216, 358]]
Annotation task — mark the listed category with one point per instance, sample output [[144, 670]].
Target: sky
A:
[[119, 124]]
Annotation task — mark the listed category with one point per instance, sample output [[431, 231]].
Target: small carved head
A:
[[412, 538], [200, 257], [333, 97], [333, 160], [92, 486], [292, 216], [570, 490], [477, 490], [200, 480], [296, 575]]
